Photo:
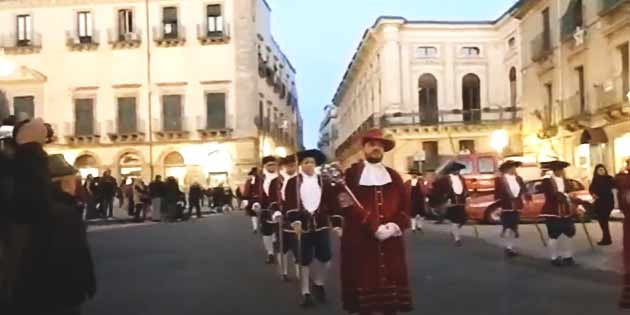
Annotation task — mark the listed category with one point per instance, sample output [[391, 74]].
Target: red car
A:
[[483, 208], [480, 171]]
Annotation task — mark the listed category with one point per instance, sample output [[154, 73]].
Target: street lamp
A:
[[281, 152], [499, 140]]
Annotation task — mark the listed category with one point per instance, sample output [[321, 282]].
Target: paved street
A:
[[215, 266]]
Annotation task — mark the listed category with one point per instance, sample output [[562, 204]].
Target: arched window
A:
[[130, 165], [513, 87], [428, 100], [471, 98], [87, 165], [174, 166]]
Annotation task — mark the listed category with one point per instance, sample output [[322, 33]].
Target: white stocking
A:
[[254, 223], [305, 280], [567, 247], [419, 221], [268, 243], [455, 231], [320, 272], [509, 239], [413, 224], [553, 248], [285, 264]]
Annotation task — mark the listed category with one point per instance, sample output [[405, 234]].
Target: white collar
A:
[[513, 185], [374, 174], [268, 178], [285, 182], [310, 192], [456, 184]]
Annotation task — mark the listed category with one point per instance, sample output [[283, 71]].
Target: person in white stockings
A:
[[451, 188], [509, 191], [417, 194]]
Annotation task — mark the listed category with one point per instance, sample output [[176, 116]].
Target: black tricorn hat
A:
[[451, 167], [291, 159], [555, 165], [509, 164], [269, 159], [59, 167], [320, 158], [253, 171]]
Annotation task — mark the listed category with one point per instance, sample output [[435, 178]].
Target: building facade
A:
[[194, 89], [327, 132], [439, 88], [576, 75]]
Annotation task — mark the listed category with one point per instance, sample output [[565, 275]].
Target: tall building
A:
[[440, 88], [327, 132], [193, 89], [576, 74]]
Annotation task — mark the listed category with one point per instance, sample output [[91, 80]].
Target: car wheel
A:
[[492, 215]]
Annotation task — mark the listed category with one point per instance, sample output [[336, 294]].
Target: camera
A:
[[7, 129]]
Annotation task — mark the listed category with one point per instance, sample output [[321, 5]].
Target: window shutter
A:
[[215, 105], [127, 115], [84, 114], [169, 15], [24, 105], [214, 10], [172, 111]]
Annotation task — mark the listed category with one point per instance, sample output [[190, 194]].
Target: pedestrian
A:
[[108, 186], [622, 183], [195, 194], [89, 186], [374, 276], [156, 191], [127, 192], [311, 202], [266, 196], [601, 189], [60, 277], [417, 194], [509, 192], [289, 171], [250, 195], [171, 199], [218, 198], [451, 189], [558, 213], [140, 200]]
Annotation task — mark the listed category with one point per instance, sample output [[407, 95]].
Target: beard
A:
[[374, 159]]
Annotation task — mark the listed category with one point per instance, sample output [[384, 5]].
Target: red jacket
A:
[[373, 273], [504, 196]]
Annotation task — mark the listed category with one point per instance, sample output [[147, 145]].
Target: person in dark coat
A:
[[60, 276], [156, 191], [194, 199], [172, 195], [602, 190], [251, 193], [417, 193], [451, 188], [89, 187], [218, 198], [509, 192]]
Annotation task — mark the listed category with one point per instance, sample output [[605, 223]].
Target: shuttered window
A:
[[215, 106], [431, 158], [24, 107], [172, 112], [127, 115], [84, 117], [169, 20], [215, 18]]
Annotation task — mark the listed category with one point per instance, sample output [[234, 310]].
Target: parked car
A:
[[480, 171], [484, 208]]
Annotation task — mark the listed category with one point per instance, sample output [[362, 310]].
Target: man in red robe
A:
[[622, 182], [374, 275]]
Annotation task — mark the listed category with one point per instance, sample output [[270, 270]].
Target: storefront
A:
[[87, 165], [130, 165]]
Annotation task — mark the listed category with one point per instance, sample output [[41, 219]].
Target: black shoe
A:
[[458, 243], [255, 232], [270, 260], [604, 242], [320, 293], [285, 278], [510, 253], [568, 262], [307, 301], [557, 262]]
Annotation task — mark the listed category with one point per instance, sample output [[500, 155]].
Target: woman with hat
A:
[[509, 191], [558, 213], [60, 275], [417, 194], [452, 187], [310, 201]]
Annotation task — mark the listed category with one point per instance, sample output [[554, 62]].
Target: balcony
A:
[[124, 40], [541, 47], [13, 46], [612, 99], [215, 130], [615, 16], [174, 39], [168, 130], [608, 7], [126, 134], [456, 117], [82, 43], [86, 136], [573, 113], [207, 37]]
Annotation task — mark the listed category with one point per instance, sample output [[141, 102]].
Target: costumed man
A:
[[314, 201], [622, 182], [250, 194], [374, 276], [289, 170], [417, 194], [450, 190], [558, 213], [509, 191]]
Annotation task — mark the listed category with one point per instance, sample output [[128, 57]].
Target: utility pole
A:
[[149, 86]]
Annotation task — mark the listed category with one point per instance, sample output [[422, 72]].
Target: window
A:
[[486, 165], [468, 166], [426, 52], [215, 19], [24, 30], [23, 107], [471, 51], [549, 104], [466, 146], [625, 69], [431, 157], [172, 112], [84, 27], [169, 22], [125, 23], [546, 30], [127, 115], [84, 117], [471, 98], [215, 107], [513, 87], [580, 74], [428, 102]]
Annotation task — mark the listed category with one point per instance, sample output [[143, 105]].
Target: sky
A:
[[320, 36]]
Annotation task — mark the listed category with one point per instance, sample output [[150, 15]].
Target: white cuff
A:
[[382, 233], [276, 215]]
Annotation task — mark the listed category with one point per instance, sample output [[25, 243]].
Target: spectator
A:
[[108, 187], [89, 186], [218, 197], [172, 196], [602, 190], [127, 191], [140, 200], [195, 194], [156, 191]]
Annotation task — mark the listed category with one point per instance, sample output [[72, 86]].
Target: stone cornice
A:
[[15, 4]]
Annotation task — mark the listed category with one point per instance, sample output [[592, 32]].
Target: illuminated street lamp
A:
[[499, 140], [281, 152], [7, 68]]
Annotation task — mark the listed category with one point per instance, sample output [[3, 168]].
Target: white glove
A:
[[339, 231], [256, 206], [396, 232], [276, 215], [244, 204], [382, 233]]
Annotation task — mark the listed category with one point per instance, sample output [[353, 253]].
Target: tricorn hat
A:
[[451, 167], [555, 165], [59, 167], [377, 135], [269, 159], [509, 164], [253, 171], [291, 159], [320, 158]]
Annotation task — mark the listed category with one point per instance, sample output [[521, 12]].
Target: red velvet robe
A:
[[374, 274], [622, 182]]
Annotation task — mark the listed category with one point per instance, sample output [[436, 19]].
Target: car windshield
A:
[[534, 187], [486, 166], [469, 167]]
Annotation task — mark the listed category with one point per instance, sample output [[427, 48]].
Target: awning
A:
[[594, 136]]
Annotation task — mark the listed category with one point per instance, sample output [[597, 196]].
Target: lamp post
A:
[[499, 140]]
